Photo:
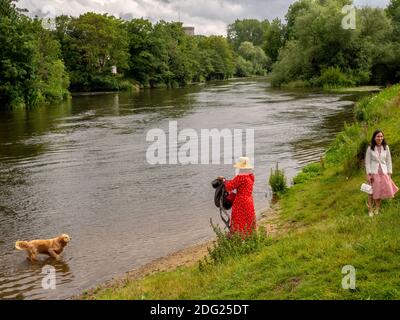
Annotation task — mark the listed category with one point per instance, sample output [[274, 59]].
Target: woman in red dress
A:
[[243, 218]]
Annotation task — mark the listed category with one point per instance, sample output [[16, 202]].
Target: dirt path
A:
[[186, 257]]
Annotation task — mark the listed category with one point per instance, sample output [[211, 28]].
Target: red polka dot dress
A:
[[243, 214]]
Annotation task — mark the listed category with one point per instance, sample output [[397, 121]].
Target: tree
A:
[[274, 40], [91, 45], [176, 52], [296, 9], [53, 77], [378, 30], [163, 55], [393, 11], [316, 31], [17, 62], [145, 52], [31, 71], [8, 8], [204, 59], [250, 30], [256, 56], [244, 68], [221, 56]]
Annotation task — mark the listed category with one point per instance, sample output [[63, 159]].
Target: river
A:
[[80, 168]]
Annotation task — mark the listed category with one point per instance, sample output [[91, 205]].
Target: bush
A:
[[278, 181], [333, 77], [233, 245], [361, 77], [292, 65], [244, 68], [55, 89], [99, 82]]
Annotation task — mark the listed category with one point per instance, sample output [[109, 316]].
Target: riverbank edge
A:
[[186, 257], [138, 87]]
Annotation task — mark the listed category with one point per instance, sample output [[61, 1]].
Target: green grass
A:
[[329, 228]]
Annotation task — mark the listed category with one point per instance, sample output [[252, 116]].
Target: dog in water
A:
[[51, 247]]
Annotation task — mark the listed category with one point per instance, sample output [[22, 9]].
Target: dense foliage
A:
[[318, 51], [31, 68], [91, 45], [97, 52]]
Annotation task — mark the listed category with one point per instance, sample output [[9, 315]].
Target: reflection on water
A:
[[80, 168], [26, 277]]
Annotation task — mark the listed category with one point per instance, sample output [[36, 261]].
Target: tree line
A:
[[99, 52]]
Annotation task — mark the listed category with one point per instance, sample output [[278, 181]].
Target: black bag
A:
[[223, 200]]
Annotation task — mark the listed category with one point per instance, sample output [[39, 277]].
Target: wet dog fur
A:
[[51, 247]]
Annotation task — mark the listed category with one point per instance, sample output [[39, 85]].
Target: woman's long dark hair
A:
[[373, 143]]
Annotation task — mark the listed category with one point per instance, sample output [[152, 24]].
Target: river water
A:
[[80, 168]]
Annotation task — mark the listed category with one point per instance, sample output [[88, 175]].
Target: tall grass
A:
[[309, 172]]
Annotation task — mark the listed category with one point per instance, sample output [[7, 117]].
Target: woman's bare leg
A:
[[377, 205], [370, 202]]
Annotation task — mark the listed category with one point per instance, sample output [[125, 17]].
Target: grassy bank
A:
[[327, 228]]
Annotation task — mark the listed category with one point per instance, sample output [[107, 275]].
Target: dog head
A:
[[64, 239]]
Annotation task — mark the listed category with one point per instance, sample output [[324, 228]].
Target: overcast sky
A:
[[207, 16]]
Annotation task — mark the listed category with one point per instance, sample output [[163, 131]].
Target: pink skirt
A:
[[383, 186]]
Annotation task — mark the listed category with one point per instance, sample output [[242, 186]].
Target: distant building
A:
[[189, 31]]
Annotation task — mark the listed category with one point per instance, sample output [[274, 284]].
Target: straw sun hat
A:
[[243, 163]]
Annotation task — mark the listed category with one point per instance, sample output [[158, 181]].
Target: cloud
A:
[[207, 16]]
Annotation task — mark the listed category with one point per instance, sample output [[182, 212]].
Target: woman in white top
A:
[[378, 164]]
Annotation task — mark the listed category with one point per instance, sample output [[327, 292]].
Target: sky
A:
[[207, 16]]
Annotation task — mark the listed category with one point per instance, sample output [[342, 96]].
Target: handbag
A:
[[366, 188]]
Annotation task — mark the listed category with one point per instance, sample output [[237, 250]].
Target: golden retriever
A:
[[51, 247]]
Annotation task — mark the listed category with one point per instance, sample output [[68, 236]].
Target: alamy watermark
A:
[[49, 279], [349, 20], [189, 146], [49, 18], [349, 280]]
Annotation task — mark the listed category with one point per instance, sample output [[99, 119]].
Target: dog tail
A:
[[21, 245]]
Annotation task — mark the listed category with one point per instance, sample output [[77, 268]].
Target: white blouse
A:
[[374, 159]]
